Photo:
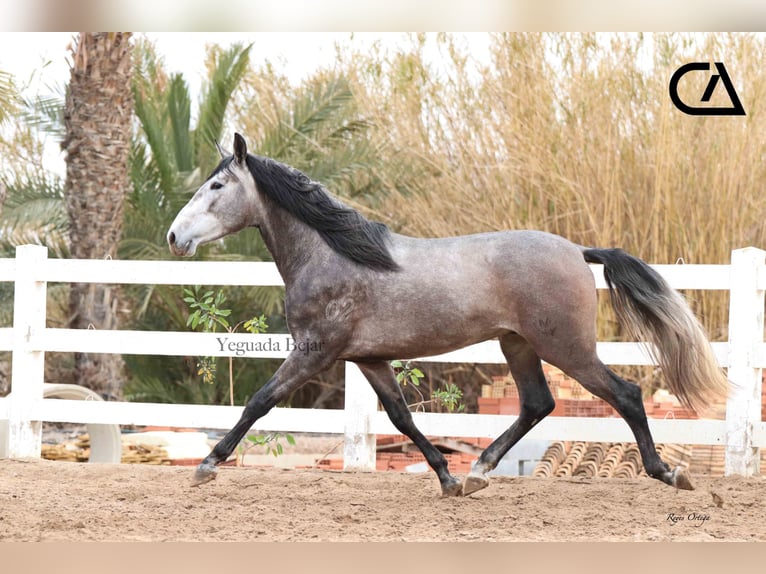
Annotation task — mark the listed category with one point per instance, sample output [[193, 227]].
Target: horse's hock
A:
[[105, 440]]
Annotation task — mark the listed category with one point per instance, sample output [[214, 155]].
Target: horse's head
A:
[[224, 204]]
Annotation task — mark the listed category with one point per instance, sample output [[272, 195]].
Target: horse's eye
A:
[[216, 185]]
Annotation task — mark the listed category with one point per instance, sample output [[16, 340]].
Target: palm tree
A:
[[34, 211], [170, 158], [98, 114], [316, 127]]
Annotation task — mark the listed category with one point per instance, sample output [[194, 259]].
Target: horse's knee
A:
[[538, 405], [254, 407], [546, 407], [401, 419], [265, 399]]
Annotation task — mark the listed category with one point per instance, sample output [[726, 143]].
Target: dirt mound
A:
[[45, 500]]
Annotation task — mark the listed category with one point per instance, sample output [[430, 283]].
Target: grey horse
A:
[[355, 291]]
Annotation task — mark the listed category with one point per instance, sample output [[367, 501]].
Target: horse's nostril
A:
[[171, 238]]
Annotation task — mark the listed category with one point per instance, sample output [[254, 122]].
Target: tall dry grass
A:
[[575, 134], [569, 133]]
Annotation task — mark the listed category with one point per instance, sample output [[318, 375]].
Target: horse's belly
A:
[[402, 341]]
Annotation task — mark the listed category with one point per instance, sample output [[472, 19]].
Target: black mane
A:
[[344, 229]]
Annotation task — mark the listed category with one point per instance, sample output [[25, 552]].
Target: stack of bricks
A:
[[329, 464], [663, 405], [458, 462], [572, 399], [397, 453]]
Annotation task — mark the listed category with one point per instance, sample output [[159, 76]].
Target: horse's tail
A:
[[651, 310]]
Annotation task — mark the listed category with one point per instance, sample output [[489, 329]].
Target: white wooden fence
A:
[[743, 432]]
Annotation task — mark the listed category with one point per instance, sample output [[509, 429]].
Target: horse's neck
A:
[[291, 243]]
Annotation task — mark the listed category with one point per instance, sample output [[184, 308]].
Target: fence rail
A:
[[743, 432]]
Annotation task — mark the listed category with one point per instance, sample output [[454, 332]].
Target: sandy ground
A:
[[58, 501]]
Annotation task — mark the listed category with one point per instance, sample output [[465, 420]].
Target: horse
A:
[[356, 291]]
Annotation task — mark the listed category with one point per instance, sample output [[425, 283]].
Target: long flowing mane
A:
[[344, 229]]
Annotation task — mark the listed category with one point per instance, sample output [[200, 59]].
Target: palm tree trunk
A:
[[98, 119]]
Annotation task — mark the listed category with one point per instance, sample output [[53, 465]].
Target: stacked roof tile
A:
[[603, 460]]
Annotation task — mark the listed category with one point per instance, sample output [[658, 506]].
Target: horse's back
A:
[[520, 258], [456, 291]]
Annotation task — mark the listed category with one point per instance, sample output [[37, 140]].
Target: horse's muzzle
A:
[[185, 249]]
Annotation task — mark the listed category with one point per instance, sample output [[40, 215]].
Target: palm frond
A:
[[34, 212], [179, 113], [322, 133], [312, 110], [149, 84], [33, 185], [45, 113], [39, 212], [228, 70]]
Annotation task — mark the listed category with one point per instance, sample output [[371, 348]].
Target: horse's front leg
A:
[[292, 374], [381, 377]]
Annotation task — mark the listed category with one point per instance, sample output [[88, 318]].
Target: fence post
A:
[[743, 407], [360, 403], [27, 369]]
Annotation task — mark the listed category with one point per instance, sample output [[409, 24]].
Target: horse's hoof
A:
[[474, 483], [680, 479], [205, 473], [454, 488]]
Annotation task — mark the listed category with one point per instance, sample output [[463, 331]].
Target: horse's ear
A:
[[240, 148], [222, 152]]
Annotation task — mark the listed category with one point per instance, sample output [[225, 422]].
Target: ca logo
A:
[[735, 109]]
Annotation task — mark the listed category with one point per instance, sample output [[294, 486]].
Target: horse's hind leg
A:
[[536, 402], [626, 399], [381, 377]]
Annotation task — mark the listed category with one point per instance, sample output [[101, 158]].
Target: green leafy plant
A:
[[406, 373], [271, 441], [206, 309], [208, 312], [256, 325], [448, 397]]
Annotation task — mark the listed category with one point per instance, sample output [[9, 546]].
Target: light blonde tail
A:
[[654, 312]]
